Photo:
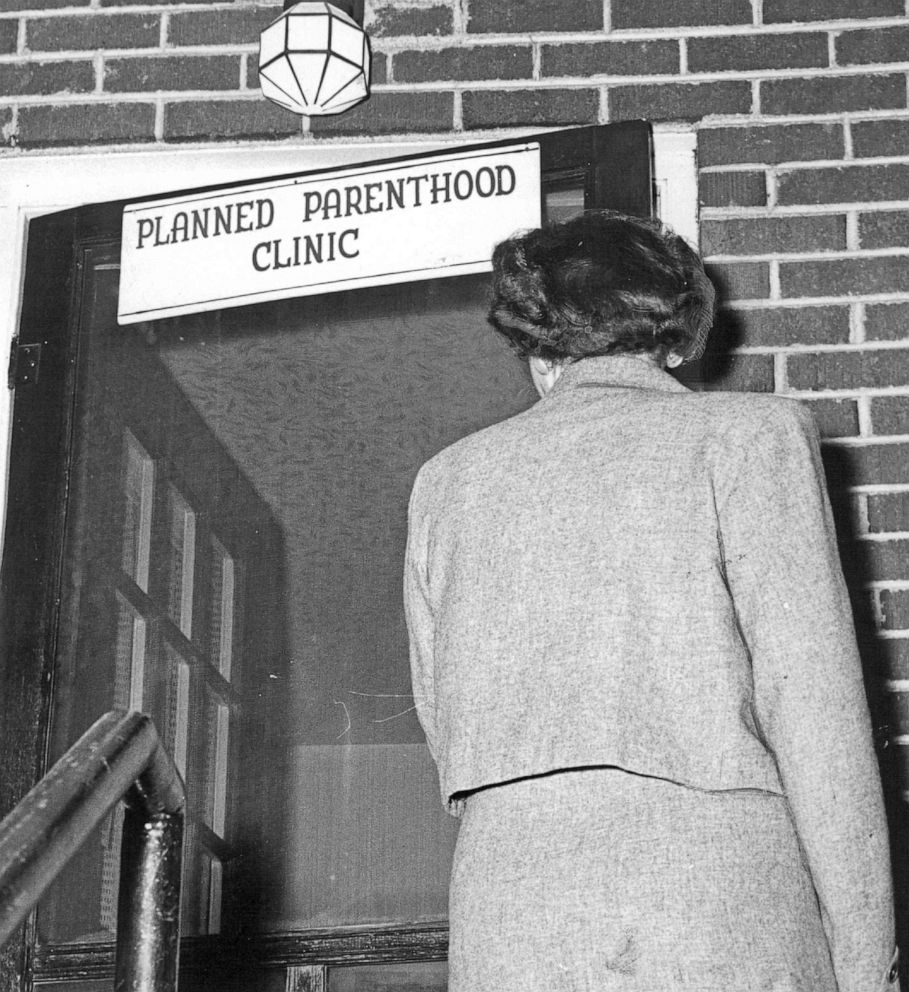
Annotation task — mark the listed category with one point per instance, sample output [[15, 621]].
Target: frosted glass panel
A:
[[181, 560], [221, 609], [213, 775], [138, 497], [367, 836]]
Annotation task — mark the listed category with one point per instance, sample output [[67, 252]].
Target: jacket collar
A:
[[616, 370]]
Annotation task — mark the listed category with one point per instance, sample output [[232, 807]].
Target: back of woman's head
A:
[[600, 284]]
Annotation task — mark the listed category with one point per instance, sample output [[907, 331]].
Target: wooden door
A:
[[171, 568]]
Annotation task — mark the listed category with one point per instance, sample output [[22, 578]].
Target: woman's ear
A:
[[673, 360], [545, 374]]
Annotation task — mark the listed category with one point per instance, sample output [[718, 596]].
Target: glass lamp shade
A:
[[314, 59]]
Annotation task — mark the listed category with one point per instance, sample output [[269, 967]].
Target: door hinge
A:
[[24, 364]]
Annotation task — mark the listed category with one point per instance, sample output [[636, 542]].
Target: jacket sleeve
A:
[[809, 704], [419, 617]]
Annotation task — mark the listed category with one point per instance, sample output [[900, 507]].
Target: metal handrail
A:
[[119, 757]]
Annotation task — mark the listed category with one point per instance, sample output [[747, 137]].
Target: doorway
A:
[[211, 511]]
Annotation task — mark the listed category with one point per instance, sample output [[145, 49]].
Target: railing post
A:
[[120, 754], [148, 910]]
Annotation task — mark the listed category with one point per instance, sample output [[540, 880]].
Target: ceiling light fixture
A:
[[314, 59]]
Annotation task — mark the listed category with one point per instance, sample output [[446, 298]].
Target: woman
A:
[[633, 657]]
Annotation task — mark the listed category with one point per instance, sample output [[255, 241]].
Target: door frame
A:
[[676, 187]]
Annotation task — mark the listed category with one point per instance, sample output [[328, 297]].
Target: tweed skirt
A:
[[598, 879]]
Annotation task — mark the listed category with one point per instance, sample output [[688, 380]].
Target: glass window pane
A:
[[182, 560], [215, 887], [111, 840], [166, 700], [213, 775], [201, 899], [221, 633], [130, 657], [565, 203], [138, 499]]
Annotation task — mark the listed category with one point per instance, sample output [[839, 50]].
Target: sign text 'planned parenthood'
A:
[[365, 226]]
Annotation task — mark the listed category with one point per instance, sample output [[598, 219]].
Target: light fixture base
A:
[[353, 8]]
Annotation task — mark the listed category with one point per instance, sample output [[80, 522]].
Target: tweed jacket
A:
[[636, 575]]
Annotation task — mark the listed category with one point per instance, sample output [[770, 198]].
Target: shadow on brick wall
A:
[[721, 369], [877, 665]]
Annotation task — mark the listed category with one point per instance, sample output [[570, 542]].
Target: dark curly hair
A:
[[600, 284]]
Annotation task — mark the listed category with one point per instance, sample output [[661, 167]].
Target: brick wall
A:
[[803, 121]]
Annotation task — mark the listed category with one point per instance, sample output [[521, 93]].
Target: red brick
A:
[[205, 120], [9, 36], [845, 276], [844, 506], [517, 108], [867, 465], [843, 184], [776, 11], [898, 705], [86, 124], [883, 559], [849, 369], [894, 609], [743, 53], [493, 16], [878, 45], [33, 78], [772, 143], [378, 68], [873, 138], [395, 21], [732, 189], [829, 94], [772, 235], [611, 58], [888, 512], [895, 781], [189, 72], [884, 229], [392, 113], [93, 31], [887, 321], [7, 137], [894, 657], [679, 101], [835, 418], [740, 280], [781, 326], [678, 13], [221, 27], [481, 62], [738, 373], [890, 415]]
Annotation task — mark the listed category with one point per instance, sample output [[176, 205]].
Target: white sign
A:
[[374, 224]]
